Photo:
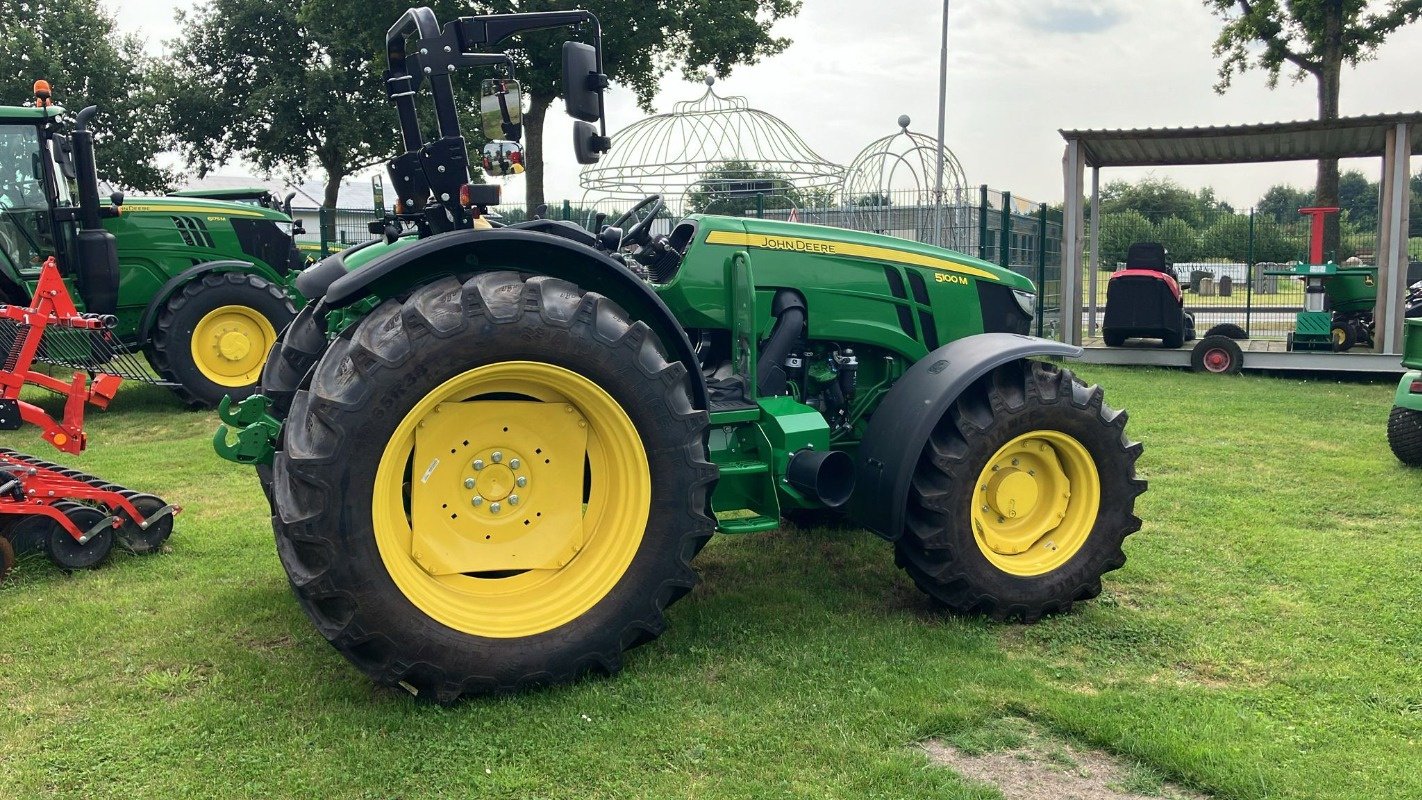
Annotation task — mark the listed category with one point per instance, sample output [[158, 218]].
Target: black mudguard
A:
[[901, 424], [467, 251], [160, 298]]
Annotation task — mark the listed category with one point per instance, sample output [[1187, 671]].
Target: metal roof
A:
[[1309, 140]]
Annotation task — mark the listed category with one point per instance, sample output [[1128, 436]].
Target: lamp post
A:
[[938, 237]]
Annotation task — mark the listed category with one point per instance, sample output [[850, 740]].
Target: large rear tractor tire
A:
[[213, 335], [1404, 435], [491, 486], [1022, 496]]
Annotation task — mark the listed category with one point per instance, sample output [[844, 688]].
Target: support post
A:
[[1073, 173], [1249, 275], [942, 115], [982, 221], [1004, 236], [1392, 240], [1041, 265], [1095, 265]]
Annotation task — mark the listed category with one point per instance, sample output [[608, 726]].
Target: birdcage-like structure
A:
[[714, 154], [892, 187]]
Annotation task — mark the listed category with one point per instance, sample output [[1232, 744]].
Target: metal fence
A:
[[1223, 260], [1020, 234]]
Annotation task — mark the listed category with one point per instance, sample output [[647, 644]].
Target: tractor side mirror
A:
[[501, 109], [582, 83], [587, 143], [63, 153]]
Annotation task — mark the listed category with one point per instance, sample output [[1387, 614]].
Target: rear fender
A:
[[195, 272], [900, 426], [463, 252], [1405, 398]]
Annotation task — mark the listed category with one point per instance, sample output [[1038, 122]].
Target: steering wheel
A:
[[639, 233]]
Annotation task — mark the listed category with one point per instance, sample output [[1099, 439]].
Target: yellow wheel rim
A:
[[230, 345], [1035, 503], [511, 499]]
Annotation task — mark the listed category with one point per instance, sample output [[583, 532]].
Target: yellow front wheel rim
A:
[[1035, 503], [557, 543], [230, 345]]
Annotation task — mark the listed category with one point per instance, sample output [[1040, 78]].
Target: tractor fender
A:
[[463, 252], [160, 297], [901, 424], [1404, 397]]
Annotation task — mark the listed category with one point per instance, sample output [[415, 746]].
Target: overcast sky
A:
[[1018, 71]]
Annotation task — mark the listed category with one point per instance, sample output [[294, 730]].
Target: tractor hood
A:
[[196, 205], [809, 239]]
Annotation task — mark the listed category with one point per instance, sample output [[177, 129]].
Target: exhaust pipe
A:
[[826, 475]]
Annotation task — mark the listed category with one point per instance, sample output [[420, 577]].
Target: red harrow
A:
[[75, 518]]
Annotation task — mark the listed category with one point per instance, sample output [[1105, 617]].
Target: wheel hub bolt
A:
[[522, 481], [478, 464], [513, 499], [469, 483], [494, 507], [477, 501], [515, 463], [496, 457]]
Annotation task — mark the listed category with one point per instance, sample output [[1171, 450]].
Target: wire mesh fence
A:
[[1223, 261]]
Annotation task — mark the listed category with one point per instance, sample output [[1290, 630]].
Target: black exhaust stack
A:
[[97, 268]]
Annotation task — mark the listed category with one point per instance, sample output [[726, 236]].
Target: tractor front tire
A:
[[491, 486], [1404, 435], [213, 335], [1022, 496]]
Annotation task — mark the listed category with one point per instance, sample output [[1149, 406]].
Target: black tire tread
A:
[[926, 550], [347, 381], [1404, 435], [1227, 329], [162, 345]]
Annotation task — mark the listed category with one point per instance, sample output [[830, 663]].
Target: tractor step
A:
[[747, 524]]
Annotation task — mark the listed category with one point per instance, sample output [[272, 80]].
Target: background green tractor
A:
[[201, 285], [1404, 424], [492, 454]]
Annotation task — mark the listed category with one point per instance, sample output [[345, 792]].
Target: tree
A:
[[1281, 204], [74, 45], [290, 86], [1312, 37], [1180, 239], [641, 42], [1161, 198], [1118, 232], [734, 188]]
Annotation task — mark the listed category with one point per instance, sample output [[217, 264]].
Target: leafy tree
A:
[[1281, 203], [290, 86], [1229, 238], [1118, 232], [1180, 239], [732, 188], [1358, 199], [74, 45], [1161, 198], [1311, 38], [641, 42], [872, 200]]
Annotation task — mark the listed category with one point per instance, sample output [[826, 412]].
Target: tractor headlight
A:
[[285, 228], [1027, 301]]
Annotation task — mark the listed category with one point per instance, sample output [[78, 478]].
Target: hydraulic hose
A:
[[789, 311]]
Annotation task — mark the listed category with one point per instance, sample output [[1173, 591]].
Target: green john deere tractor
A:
[[202, 284], [1404, 424], [492, 454]]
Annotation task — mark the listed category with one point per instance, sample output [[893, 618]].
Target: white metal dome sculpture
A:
[[892, 186], [712, 150]]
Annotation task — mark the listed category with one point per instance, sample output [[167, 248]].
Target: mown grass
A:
[[1262, 642]]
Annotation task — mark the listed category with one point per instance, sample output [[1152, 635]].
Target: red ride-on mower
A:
[[1144, 300]]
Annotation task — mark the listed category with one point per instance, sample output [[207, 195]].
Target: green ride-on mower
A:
[[492, 454], [1404, 424], [203, 284]]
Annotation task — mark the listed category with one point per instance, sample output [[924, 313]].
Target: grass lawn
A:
[[1263, 641]]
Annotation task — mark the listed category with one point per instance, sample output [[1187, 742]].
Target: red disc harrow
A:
[[75, 518]]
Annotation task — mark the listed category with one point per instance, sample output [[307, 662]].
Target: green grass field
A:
[[1263, 641]]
